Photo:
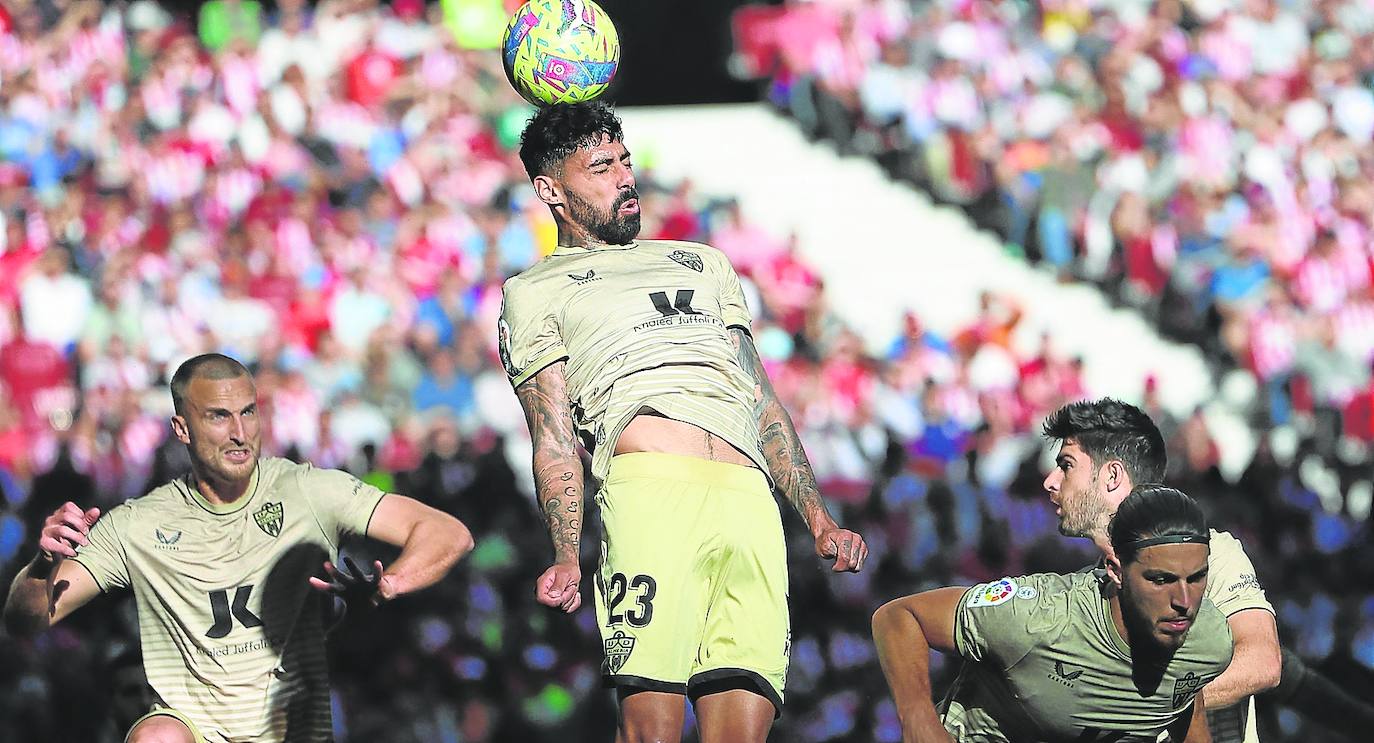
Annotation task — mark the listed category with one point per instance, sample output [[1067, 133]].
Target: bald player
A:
[[1070, 658], [222, 565], [641, 351]]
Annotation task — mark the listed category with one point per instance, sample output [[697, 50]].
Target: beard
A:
[[606, 226], [1084, 512]]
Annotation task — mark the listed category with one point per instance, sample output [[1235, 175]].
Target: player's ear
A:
[[548, 190], [180, 430], [1115, 477], [1115, 572]]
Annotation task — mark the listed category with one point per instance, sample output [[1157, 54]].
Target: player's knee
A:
[[160, 729], [637, 726]]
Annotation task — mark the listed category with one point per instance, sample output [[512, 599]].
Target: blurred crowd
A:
[[329, 192]]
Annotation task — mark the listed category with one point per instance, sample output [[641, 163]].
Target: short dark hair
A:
[[556, 131], [1110, 429], [205, 366], [1155, 510]]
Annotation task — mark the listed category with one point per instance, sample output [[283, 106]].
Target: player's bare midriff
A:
[[650, 432]]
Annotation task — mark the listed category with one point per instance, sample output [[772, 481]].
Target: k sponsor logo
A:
[[1186, 688], [585, 278], [1063, 675], [167, 538], [995, 593], [270, 518], [618, 650], [688, 259]]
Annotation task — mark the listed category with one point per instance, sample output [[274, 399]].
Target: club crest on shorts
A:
[[1186, 688], [269, 518], [690, 260], [618, 650]]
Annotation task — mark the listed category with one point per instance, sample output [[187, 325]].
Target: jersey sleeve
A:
[[104, 558], [734, 310], [343, 504], [527, 333], [1231, 581], [1000, 622]]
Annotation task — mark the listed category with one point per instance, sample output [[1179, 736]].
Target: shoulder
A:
[[1021, 592], [1227, 555]]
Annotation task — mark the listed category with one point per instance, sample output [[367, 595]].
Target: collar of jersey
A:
[[583, 249], [1118, 641], [224, 509]]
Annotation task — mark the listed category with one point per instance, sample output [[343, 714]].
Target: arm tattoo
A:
[[781, 447], [557, 464]]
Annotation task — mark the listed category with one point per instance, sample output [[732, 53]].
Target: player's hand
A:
[[559, 587], [354, 586], [64, 531], [843, 546]]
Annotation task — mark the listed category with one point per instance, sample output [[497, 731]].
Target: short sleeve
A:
[[734, 311], [1231, 581], [343, 504], [1000, 622], [104, 556], [527, 333]]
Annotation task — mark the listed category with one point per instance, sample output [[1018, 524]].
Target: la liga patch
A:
[[993, 594]]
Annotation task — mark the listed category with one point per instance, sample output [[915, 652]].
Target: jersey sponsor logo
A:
[[270, 517], [586, 278], [1186, 688], [618, 649], [995, 593], [1063, 675], [688, 259], [503, 347], [167, 540]]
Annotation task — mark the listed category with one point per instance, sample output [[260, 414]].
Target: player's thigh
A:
[[651, 599], [746, 640], [734, 716], [162, 727], [650, 716]]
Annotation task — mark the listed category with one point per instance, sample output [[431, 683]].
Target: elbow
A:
[[1269, 672], [20, 625], [461, 540]]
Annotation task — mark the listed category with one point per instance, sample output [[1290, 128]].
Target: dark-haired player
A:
[[221, 565], [641, 351], [1070, 658]]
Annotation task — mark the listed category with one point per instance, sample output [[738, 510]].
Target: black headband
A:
[[1141, 544]]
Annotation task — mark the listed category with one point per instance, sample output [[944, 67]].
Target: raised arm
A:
[[51, 587], [1255, 664], [788, 465], [904, 632], [557, 482]]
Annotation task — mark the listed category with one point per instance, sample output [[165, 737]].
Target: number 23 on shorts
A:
[[642, 589]]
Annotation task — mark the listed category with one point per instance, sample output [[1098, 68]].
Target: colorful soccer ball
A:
[[560, 51]]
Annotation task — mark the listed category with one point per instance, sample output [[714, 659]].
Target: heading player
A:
[[641, 349], [1106, 448], [1070, 657], [221, 566]]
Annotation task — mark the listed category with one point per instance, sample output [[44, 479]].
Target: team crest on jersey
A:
[[995, 593], [270, 518], [1186, 688], [618, 650], [690, 260]]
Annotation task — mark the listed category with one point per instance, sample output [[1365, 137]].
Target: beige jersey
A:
[[642, 326], [1047, 663], [232, 632], [1233, 587]]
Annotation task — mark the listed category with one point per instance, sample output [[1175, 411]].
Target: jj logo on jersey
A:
[[1186, 688], [270, 518], [690, 260]]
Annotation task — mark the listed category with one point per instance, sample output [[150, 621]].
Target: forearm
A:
[[1256, 662], [904, 654], [1197, 730], [558, 481], [429, 552], [1235, 685], [26, 607]]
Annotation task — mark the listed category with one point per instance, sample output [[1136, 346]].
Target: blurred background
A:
[[950, 217]]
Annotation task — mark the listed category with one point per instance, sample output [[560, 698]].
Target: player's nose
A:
[[1051, 482]]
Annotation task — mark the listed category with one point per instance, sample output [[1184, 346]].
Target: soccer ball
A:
[[560, 51]]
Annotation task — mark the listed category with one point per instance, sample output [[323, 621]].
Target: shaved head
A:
[[212, 366]]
